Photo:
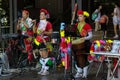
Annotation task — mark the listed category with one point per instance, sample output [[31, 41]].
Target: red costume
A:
[[81, 59], [47, 28]]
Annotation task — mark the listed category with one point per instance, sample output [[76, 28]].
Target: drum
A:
[[78, 44], [78, 47], [55, 38]]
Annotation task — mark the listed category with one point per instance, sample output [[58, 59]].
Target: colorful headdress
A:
[[85, 13], [46, 12]]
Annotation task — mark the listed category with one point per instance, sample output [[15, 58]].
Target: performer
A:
[[43, 32], [24, 28], [85, 31]]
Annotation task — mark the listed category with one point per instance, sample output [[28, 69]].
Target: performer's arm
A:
[[48, 32], [89, 36], [24, 23], [96, 11], [18, 24], [30, 23], [34, 26]]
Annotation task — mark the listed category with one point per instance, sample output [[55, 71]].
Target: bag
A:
[[103, 19], [94, 16]]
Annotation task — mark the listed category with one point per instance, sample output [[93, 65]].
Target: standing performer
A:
[[24, 27], [43, 32], [85, 31]]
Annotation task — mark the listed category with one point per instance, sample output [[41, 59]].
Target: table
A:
[[108, 55]]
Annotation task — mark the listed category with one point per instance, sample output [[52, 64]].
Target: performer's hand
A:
[[42, 31], [83, 39], [44, 41], [22, 20], [19, 20], [34, 21]]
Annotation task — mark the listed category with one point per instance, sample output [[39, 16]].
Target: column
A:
[[15, 16], [11, 16], [72, 3], [79, 4]]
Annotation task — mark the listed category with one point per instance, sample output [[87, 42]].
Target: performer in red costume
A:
[[85, 31], [43, 32], [24, 26]]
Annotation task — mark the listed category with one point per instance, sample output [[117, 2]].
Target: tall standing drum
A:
[[78, 44], [78, 47]]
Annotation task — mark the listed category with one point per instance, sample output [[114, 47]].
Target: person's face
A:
[[24, 15], [43, 51], [81, 18], [42, 16], [100, 7], [116, 6]]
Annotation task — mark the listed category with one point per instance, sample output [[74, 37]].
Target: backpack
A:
[[103, 19], [94, 16]]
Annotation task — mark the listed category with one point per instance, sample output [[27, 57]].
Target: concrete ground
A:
[[58, 74]]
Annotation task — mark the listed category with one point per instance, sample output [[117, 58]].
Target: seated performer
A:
[[42, 30], [24, 27], [45, 61], [85, 31]]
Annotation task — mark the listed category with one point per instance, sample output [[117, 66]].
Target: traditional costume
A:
[[26, 35], [42, 40], [85, 32]]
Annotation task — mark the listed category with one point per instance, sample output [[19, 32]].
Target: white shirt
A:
[[117, 12], [42, 25], [99, 15], [30, 24]]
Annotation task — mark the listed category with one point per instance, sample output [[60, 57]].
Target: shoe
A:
[[85, 72], [45, 72], [78, 75], [79, 72], [41, 71], [84, 78], [116, 36]]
